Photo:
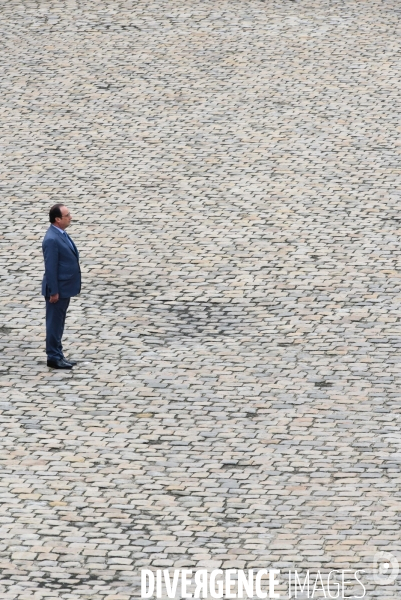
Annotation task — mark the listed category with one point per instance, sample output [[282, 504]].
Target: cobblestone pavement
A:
[[233, 169]]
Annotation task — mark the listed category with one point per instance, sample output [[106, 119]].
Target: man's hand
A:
[[53, 299]]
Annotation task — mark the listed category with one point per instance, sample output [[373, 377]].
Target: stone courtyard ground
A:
[[233, 170]]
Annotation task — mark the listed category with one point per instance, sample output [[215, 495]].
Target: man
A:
[[61, 281]]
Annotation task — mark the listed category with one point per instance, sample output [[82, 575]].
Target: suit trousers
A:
[[55, 321]]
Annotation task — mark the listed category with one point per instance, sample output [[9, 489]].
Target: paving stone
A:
[[233, 173]]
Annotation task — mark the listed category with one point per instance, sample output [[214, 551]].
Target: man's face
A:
[[65, 218]]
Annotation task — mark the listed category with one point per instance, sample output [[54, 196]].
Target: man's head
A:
[[60, 216]]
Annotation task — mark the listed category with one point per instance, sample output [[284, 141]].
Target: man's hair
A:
[[55, 212]]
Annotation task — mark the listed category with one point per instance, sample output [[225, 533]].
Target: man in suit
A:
[[61, 281]]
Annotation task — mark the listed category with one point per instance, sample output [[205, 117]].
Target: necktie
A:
[[69, 241]]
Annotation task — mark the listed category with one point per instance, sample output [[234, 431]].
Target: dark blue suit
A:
[[63, 277]]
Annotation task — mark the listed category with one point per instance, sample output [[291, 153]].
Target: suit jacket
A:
[[62, 272]]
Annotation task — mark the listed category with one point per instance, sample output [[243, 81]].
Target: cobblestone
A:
[[233, 170]]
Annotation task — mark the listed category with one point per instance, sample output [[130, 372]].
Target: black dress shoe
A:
[[72, 362], [59, 364]]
